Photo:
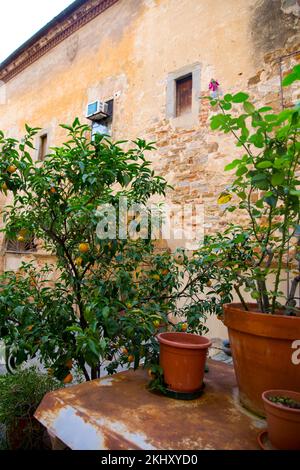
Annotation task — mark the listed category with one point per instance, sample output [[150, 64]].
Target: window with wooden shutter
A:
[[43, 147], [184, 87]]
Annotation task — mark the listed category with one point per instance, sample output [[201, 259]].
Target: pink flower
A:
[[214, 85]]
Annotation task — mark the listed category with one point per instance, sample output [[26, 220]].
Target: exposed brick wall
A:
[[193, 158]]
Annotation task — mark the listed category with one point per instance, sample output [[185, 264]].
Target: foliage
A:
[[20, 395], [266, 190], [285, 401], [107, 297]]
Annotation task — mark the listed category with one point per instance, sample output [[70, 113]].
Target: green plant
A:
[[20, 395], [285, 401], [257, 256], [104, 298]]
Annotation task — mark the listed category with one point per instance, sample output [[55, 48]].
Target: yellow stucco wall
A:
[[130, 49]]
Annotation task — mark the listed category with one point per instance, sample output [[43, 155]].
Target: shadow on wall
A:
[[274, 23]]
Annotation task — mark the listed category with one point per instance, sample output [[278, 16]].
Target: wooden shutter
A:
[[43, 147], [184, 87]]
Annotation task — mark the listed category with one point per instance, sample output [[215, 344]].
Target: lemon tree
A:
[[102, 296]]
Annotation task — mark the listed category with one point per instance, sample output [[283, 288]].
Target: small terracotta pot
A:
[[283, 422], [262, 350], [182, 358]]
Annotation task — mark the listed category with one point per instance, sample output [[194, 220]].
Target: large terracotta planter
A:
[[182, 358], [283, 422], [261, 346]]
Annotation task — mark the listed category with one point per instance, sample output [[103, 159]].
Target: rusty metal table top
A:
[[120, 413]]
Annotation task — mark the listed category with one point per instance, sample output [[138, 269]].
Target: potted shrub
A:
[[182, 359], [260, 258], [20, 395], [113, 292], [283, 418]]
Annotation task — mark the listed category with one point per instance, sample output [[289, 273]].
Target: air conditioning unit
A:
[[97, 110]]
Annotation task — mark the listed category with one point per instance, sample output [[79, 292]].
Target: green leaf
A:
[[277, 179], [259, 177], [296, 69], [264, 164], [295, 118], [257, 139], [227, 106], [92, 347], [240, 97], [242, 195], [241, 170], [271, 117], [76, 122], [248, 107], [216, 121], [105, 312], [292, 77], [283, 115], [264, 109], [232, 165], [228, 97], [271, 200]]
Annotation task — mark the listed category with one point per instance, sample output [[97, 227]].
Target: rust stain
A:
[[128, 416]]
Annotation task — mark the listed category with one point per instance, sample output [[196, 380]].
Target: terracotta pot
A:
[[283, 422], [182, 358], [262, 352]]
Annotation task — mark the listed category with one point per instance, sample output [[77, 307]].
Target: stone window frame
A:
[[195, 71], [42, 133]]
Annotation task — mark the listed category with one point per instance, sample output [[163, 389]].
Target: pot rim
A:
[[278, 327], [254, 311], [280, 392], [205, 345]]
